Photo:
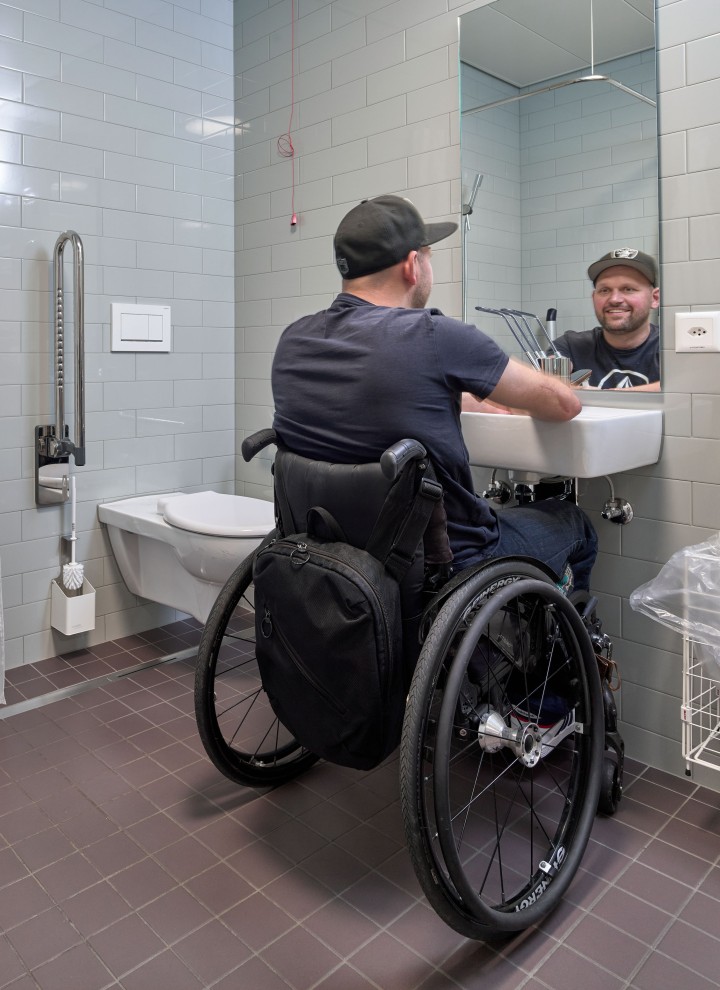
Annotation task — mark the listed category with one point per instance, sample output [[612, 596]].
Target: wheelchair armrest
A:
[[395, 457], [256, 442]]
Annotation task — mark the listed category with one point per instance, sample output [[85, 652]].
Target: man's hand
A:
[[542, 396]]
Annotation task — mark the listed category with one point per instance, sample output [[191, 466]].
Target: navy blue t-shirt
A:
[[351, 380], [612, 367]]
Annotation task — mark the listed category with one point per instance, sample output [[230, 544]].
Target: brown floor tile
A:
[[660, 972], [701, 842], [300, 958], [567, 970], [127, 862], [211, 952], [693, 948], [43, 937], [164, 970], [639, 917], [389, 963], [95, 908], [674, 862], [126, 944], [175, 914], [77, 967], [607, 945], [257, 921], [257, 974], [68, 877]]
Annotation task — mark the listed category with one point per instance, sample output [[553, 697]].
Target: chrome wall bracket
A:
[[52, 468]]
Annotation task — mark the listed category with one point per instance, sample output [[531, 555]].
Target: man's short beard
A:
[[637, 321]]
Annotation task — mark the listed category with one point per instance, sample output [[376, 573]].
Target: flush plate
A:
[[140, 327]]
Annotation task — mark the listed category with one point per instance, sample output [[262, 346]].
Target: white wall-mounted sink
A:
[[600, 440]]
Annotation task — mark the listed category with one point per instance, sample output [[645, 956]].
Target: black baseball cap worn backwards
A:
[[380, 232], [628, 258]]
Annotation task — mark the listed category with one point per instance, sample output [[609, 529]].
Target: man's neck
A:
[[377, 295], [627, 341]]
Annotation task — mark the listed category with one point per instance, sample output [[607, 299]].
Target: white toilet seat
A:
[[215, 514]]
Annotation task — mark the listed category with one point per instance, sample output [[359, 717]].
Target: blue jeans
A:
[[554, 531]]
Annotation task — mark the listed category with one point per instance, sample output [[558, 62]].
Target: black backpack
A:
[[329, 633]]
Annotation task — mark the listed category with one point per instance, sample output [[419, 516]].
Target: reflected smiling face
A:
[[623, 301]]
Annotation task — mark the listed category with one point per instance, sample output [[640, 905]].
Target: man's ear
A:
[[656, 298], [409, 268]]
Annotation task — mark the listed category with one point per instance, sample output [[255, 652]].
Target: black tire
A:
[[496, 827], [238, 728], [610, 787]]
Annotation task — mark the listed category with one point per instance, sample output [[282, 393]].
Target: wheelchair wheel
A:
[[611, 787], [502, 751], [238, 728]]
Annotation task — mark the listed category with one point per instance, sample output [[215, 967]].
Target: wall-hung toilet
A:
[[179, 549]]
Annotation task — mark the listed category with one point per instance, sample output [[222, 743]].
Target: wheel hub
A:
[[525, 741]]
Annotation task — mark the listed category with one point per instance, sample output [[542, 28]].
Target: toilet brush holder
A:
[[72, 612]]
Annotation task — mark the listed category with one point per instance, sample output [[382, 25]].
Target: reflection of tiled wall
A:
[[116, 122], [589, 174], [377, 111], [568, 175], [490, 146]]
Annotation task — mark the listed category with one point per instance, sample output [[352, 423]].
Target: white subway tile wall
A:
[[377, 71], [117, 123]]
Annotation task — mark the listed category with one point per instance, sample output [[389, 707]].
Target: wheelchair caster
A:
[[610, 787]]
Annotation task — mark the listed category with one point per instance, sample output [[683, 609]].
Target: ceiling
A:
[[525, 42]]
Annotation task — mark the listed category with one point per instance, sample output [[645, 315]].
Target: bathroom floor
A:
[[127, 860]]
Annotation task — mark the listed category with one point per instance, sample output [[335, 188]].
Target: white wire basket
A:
[[700, 711]]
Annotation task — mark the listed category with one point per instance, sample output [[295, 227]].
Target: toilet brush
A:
[[73, 573]]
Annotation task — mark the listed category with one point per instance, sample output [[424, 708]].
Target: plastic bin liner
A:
[[685, 596]]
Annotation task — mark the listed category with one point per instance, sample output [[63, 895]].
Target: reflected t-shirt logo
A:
[[622, 378]]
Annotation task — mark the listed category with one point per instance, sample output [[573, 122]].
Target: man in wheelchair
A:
[[378, 365], [502, 729]]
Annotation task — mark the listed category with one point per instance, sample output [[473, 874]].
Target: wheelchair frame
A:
[[509, 741]]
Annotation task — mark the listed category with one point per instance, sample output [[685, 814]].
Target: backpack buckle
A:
[[429, 488]]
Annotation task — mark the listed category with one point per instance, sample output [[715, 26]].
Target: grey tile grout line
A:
[[60, 694]]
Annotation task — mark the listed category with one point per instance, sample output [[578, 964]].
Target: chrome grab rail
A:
[[77, 449], [53, 445]]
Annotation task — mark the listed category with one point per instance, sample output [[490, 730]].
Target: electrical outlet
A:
[[697, 332]]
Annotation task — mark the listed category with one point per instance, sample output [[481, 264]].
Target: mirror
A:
[[557, 169]]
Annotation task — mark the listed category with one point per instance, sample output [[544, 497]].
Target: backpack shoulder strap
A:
[[404, 518]]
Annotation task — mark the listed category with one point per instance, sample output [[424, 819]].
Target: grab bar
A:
[[77, 449], [53, 445]]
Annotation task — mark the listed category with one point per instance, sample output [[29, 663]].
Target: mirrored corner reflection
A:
[[558, 154]]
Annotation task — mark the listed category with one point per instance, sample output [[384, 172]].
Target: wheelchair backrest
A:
[[352, 493]]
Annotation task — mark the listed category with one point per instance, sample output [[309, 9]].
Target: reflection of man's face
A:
[[623, 300], [424, 284]]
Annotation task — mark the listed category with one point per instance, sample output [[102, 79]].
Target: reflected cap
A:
[[628, 258], [380, 232]]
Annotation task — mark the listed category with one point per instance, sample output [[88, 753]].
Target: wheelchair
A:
[[509, 743]]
